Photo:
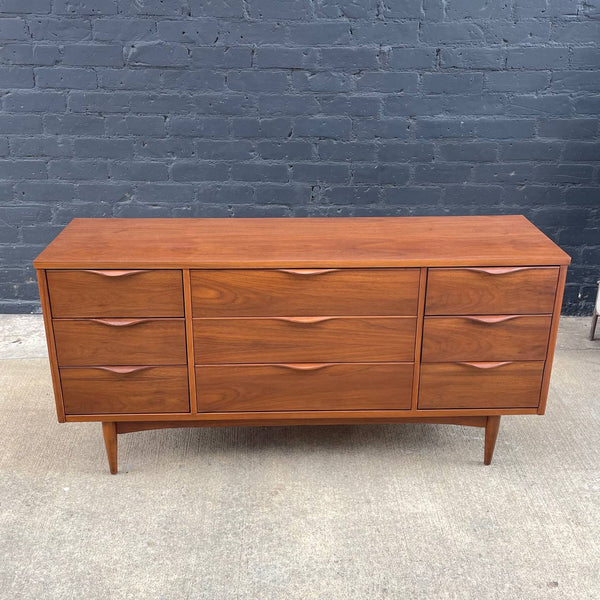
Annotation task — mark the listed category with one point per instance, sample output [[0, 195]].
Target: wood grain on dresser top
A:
[[301, 243]]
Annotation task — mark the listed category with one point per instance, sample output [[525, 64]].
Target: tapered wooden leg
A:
[[110, 441], [491, 433]]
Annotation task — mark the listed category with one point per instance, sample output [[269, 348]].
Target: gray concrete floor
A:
[[348, 512]]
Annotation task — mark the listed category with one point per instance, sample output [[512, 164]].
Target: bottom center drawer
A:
[[307, 386]]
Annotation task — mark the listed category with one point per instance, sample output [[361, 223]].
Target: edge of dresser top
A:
[[339, 242]]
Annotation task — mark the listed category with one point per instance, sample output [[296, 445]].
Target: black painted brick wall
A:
[[298, 107]]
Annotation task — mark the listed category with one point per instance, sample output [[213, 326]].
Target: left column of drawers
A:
[[120, 340]]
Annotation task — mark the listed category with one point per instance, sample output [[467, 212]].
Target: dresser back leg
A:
[[491, 433], [109, 430]]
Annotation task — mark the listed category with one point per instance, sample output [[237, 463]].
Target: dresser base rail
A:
[[111, 429]]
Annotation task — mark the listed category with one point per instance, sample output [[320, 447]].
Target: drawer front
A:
[[114, 293], [480, 385], [486, 338], [493, 290], [304, 292], [229, 388], [125, 390], [82, 342], [304, 339]]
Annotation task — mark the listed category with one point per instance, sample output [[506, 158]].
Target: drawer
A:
[[486, 338], [491, 290], [304, 339], [136, 390], [82, 342], [480, 385], [113, 293], [304, 292], [279, 387]]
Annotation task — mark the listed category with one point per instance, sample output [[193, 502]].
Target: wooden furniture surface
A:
[[208, 322]]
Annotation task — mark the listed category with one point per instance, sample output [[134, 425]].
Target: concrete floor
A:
[[348, 512]]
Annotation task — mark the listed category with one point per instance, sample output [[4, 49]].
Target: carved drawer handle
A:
[[303, 366], [304, 320], [307, 271], [491, 320], [122, 370], [120, 322], [485, 365], [115, 272], [498, 270]]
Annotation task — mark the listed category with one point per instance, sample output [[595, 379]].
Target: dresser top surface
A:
[[301, 242]]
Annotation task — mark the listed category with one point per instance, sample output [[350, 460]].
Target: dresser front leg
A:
[[109, 430], [491, 433]]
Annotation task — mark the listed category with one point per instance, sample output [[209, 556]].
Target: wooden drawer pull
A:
[[485, 365], [307, 271], [304, 320], [122, 370], [490, 319], [115, 272], [120, 322], [497, 270], [303, 366]]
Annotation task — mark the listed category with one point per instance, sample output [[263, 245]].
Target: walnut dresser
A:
[[156, 323]]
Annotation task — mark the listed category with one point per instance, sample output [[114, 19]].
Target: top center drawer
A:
[[304, 292]]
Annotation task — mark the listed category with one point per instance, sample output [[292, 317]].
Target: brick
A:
[[412, 58], [4, 147], [128, 79], [402, 9], [358, 195], [516, 81], [104, 191], [473, 58], [475, 104], [225, 193], [529, 151], [232, 58], [193, 31], [257, 81], [568, 128], [29, 54], [505, 128], [78, 169], [450, 83], [563, 173], [20, 124], [321, 173], [575, 81], [381, 173], [93, 55], [582, 151], [346, 151], [534, 195], [135, 125], [197, 79], [474, 195], [99, 102], [322, 81], [444, 33], [159, 192], [23, 169], [442, 173], [349, 58], [367, 129], [157, 54], [217, 8], [285, 58], [287, 104], [200, 171], [488, 9], [582, 196], [471, 152], [540, 105], [442, 128], [587, 105], [412, 105], [85, 7], [527, 31], [58, 77], [387, 82], [585, 58], [224, 150], [514, 173], [152, 7], [349, 9], [198, 127], [354, 106], [537, 58], [70, 124], [139, 171], [16, 77], [319, 34], [326, 127], [41, 146], [60, 29], [385, 33], [125, 30], [405, 152], [577, 32], [290, 10], [173, 147], [13, 29], [262, 128], [102, 148], [34, 101], [259, 172], [38, 7], [278, 150]]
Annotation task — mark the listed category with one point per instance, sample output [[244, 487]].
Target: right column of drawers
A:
[[485, 337]]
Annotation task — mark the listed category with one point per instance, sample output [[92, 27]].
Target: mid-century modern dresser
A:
[[156, 323]]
